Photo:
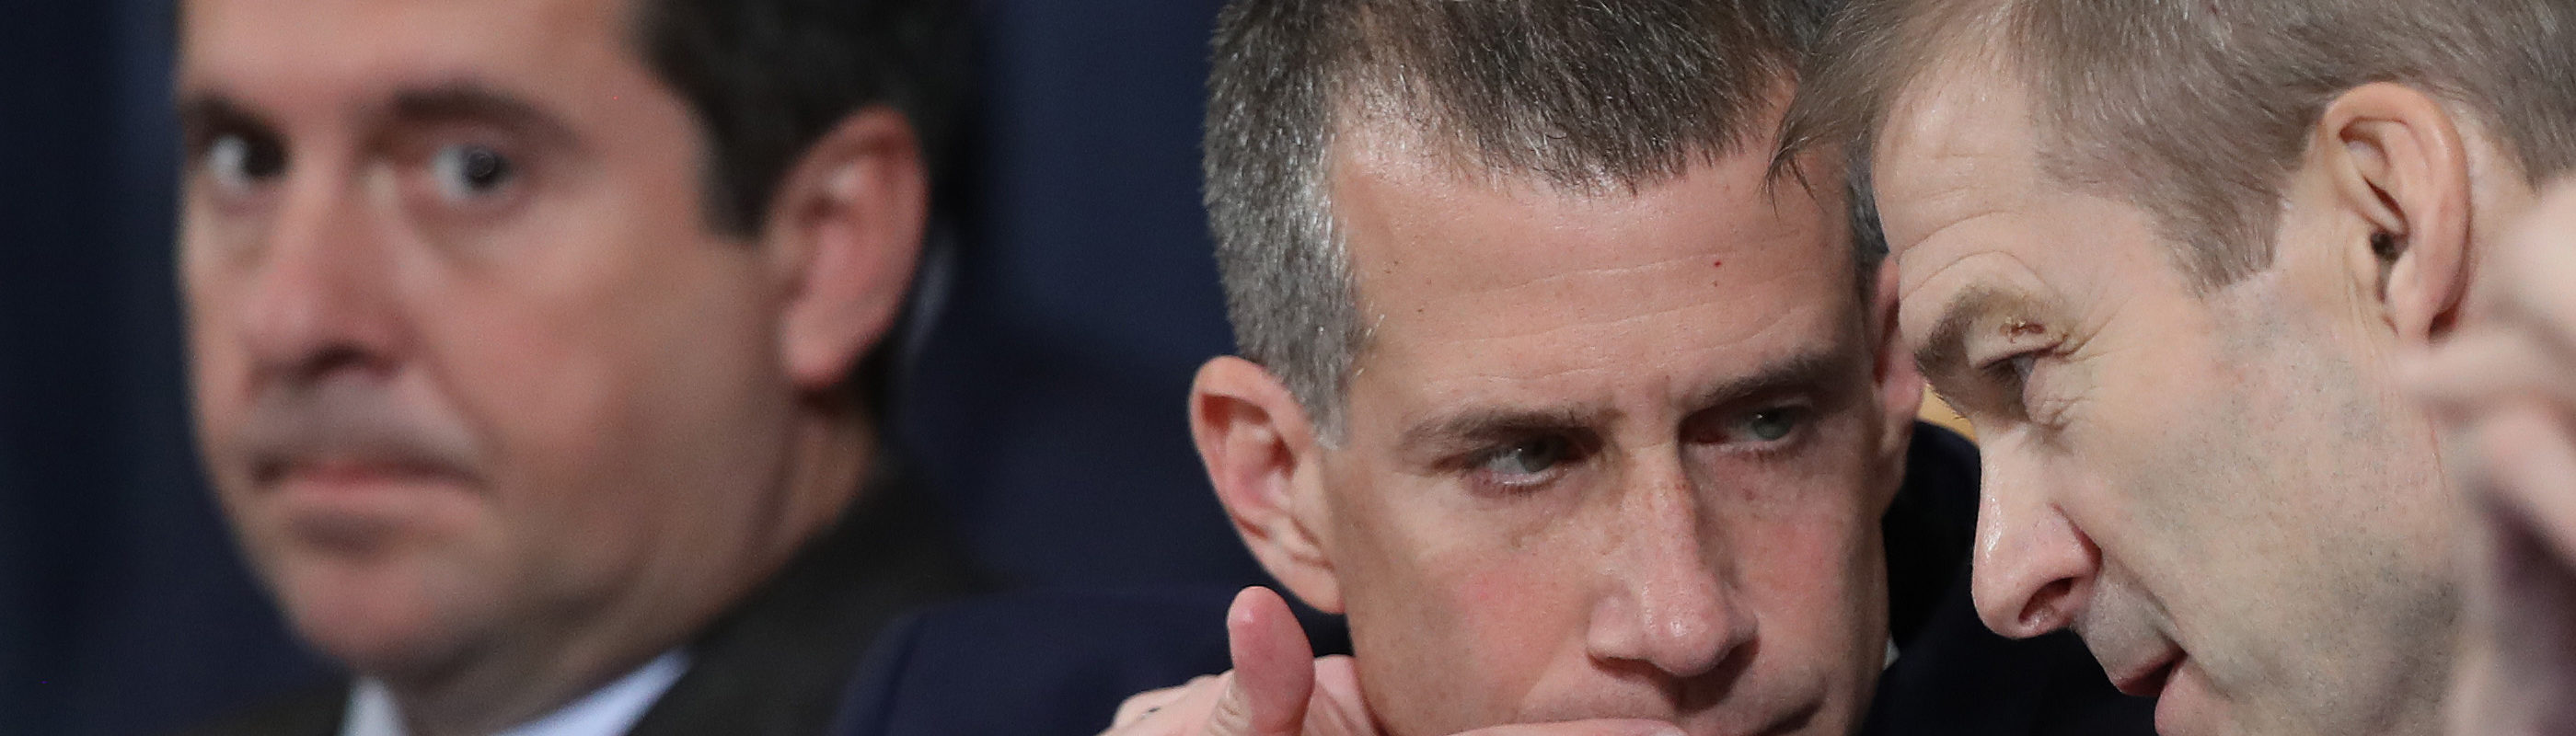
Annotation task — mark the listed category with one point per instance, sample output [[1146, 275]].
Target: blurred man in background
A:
[[531, 348], [2168, 257], [1547, 388]]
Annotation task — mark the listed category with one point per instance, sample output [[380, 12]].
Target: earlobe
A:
[[1259, 451], [2401, 169], [844, 233]]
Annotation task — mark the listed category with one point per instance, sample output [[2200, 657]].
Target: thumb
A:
[[1274, 669]]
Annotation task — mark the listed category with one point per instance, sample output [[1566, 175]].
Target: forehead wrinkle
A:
[[1586, 325], [1908, 292], [1599, 272], [1579, 314], [1955, 154], [1681, 386]]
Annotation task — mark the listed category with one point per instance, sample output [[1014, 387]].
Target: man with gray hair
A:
[[1570, 411], [2169, 258]]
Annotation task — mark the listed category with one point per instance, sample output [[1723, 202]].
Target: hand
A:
[[1279, 688], [2507, 377], [2506, 381]]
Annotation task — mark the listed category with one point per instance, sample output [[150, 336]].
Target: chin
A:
[[376, 617]]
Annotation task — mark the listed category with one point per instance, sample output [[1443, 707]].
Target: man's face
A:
[[2222, 493], [1607, 454], [472, 378]]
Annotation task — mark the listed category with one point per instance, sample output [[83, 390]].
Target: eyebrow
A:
[[1945, 354], [468, 100], [1497, 424], [1818, 367], [453, 101], [203, 112]]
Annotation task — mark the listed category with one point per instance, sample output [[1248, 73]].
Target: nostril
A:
[[331, 361], [2047, 609], [335, 358]]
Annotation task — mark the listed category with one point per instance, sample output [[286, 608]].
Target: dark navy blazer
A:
[[1043, 663]]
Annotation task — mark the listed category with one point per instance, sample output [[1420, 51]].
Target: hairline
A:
[[2210, 250], [1349, 109]]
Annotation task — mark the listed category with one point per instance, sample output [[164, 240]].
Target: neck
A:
[[507, 683]]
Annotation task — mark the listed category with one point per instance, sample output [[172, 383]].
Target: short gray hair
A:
[[1587, 94], [2197, 109]]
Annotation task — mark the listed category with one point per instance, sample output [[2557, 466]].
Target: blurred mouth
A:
[[351, 505], [335, 476]]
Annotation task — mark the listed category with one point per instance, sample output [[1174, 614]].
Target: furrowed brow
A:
[[1818, 368]]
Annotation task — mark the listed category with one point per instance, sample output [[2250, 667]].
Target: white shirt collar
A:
[[607, 711]]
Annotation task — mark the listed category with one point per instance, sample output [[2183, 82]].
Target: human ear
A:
[[1898, 380], [1260, 451], [843, 235], [2398, 163]]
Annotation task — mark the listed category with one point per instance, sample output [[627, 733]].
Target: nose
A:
[[2033, 569], [318, 294], [1668, 604]]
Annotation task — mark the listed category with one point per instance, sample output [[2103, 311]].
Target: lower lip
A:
[[356, 479], [2174, 715], [355, 509], [363, 489]]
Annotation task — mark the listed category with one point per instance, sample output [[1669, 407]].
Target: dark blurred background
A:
[[1044, 396]]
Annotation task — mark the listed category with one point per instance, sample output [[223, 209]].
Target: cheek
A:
[[1514, 617], [626, 407], [219, 362], [1457, 635], [1817, 584]]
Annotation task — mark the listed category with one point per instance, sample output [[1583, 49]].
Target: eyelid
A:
[[2007, 342], [421, 144], [1480, 450], [1471, 465], [417, 153]]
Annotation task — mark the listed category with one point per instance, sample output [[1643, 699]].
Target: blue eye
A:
[[1772, 425], [1526, 463], [468, 172]]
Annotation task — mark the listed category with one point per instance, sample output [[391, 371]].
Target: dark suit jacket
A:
[[1060, 662], [776, 664]]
